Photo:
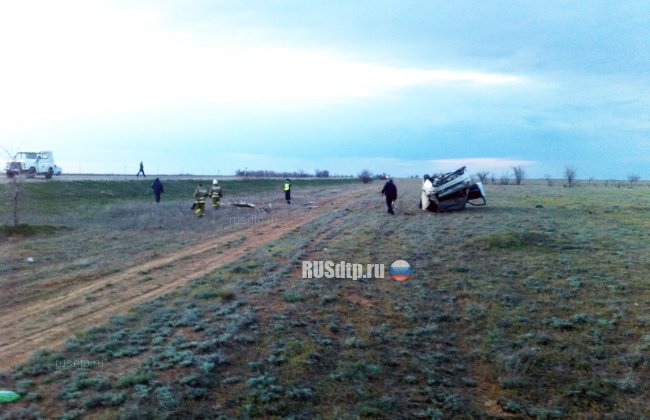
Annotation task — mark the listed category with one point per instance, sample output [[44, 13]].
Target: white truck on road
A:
[[32, 164]]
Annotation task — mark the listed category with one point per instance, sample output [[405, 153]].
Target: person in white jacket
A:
[[427, 187]]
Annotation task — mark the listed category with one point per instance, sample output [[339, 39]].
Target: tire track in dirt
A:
[[49, 323]]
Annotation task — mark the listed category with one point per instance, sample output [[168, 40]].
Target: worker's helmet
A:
[[215, 182]]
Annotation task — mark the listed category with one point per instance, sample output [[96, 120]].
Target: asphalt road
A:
[[111, 177]]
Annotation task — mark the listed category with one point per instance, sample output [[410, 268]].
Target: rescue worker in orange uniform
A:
[[200, 196], [215, 193]]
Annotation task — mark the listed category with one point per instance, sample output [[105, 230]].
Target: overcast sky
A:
[[403, 87]]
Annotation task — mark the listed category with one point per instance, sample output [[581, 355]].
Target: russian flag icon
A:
[[400, 270]]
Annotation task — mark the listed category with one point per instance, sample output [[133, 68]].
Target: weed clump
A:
[[358, 371], [516, 241], [108, 399], [134, 379], [166, 398], [41, 362], [292, 297], [206, 294], [226, 293], [27, 230]]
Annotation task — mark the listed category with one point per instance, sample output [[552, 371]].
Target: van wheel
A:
[[49, 173], [31, 173]]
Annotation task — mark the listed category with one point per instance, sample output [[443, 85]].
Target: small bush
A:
[[327, 299], [108, 399], [141, 391], [520, 174], [265, 388], [365, 176], [190, 317], [42, 361], [570, 176], [166, 398], [368, 411], [358, 371], [195, 393], [134, 379], [206, 294], [561, 324], [505, 179], [482, 176], [292, 297], [354, 342], [73, 414], [301, 394], [26, 230], [226, 293]]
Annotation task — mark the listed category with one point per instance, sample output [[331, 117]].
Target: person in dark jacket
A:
[[158, 189], [390, 192], [141, 171]]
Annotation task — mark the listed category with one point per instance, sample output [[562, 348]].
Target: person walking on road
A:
[[287, 190], [390, 192], [141, 171], [158, 189]]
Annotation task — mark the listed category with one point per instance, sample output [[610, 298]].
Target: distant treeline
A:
[[265, 173]]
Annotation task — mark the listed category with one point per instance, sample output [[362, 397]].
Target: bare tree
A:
[[266, 173], [633, 178], [15, 195], [382, 175], [493, 179], [482, 176], [14, 192], [549, 180], [570, 176], [520, 174], [505, 179], [365, 176]]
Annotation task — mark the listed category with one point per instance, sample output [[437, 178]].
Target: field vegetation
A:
[[535, 306]]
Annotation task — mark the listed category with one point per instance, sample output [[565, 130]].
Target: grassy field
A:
[[44, 201], [536, 306], [102, 225]]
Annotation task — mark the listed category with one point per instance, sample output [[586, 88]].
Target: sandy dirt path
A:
[[48, 323]]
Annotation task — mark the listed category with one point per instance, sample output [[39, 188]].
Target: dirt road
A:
[[49, 322]]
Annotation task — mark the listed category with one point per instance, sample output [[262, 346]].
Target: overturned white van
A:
[[451, 191]]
